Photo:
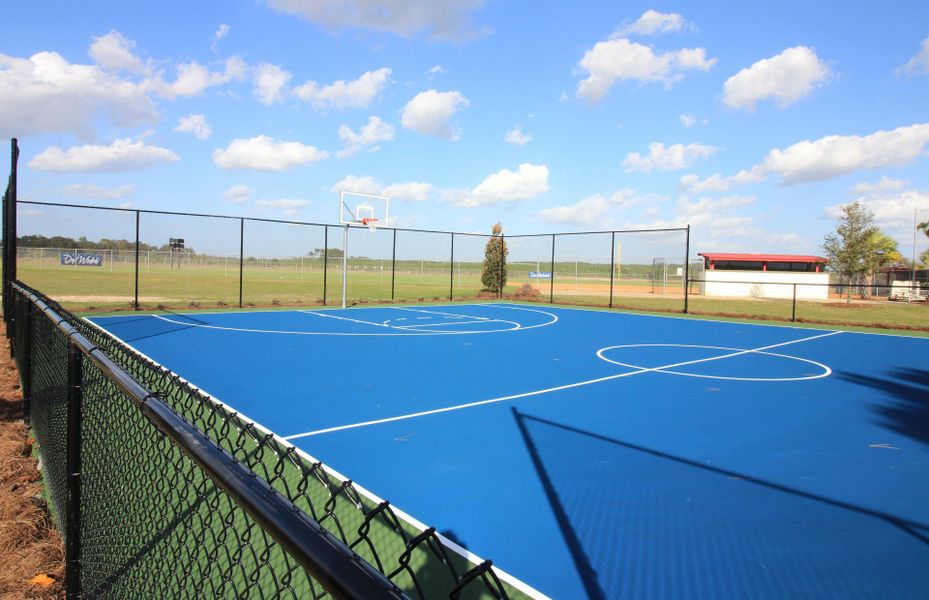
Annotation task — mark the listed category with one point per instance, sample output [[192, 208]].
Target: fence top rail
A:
[[329, 561], [601, 232], [314, 224]]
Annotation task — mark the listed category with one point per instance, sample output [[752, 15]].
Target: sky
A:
[[752, 122]]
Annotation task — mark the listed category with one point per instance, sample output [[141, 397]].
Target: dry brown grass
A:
[[30, 546]]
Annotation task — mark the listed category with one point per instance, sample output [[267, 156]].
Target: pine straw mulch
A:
[[30, 546]]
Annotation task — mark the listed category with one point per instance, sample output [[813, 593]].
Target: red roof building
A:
[[732, 261]]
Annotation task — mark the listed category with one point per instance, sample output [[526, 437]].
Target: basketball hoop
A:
[[371, 222]]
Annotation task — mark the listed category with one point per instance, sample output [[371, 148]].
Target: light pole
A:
[[915, 229]]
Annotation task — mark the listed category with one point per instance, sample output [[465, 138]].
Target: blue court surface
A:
[[595, 454]]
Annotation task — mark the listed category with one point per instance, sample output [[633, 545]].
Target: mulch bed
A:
[[30, 546]]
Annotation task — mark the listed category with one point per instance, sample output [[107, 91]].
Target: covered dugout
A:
[[744, 275]]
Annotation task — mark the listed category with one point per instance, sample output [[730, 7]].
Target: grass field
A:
[[269, 283]]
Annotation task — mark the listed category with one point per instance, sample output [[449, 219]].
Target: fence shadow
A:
[[917, 530], [908, 412]]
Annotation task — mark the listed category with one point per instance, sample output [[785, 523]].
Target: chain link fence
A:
[[92, 258], [144, 516], [900, 306]]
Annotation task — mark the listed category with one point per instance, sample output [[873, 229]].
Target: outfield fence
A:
[[99, 258], [903, 307]]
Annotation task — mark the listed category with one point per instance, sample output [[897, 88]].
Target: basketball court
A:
[[597, 454]]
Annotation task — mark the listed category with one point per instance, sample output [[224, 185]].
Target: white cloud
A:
[[431, 112], [516, 136], [236, 69], [121, 155], [192, 78], [354, 183], [195, 124], [919, 63], [270, 81], [263, 153], [836, 155], [445, 20], [436, 70], [653, 22], [826, 158], [504, 186], [719, 183], [371, 134], [592, 211], [892, 208], [358, 93], [414, 191], [222, 32], [114, 52], [619, 60], [238, 193], [785, 78], [47, 94], [289, 207], [717, 212], [688, 120], [886, 184], [281, 203], [91, 190], [661, 158]]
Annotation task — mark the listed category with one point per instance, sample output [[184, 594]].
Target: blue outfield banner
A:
[[81, 259], [540, 274]]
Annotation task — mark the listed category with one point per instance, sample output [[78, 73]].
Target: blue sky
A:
[[752, 122]]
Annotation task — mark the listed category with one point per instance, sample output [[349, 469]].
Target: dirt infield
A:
[[32, 551]]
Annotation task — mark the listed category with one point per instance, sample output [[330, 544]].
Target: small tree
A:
[[883, 252], [493, 272], [849, 248]]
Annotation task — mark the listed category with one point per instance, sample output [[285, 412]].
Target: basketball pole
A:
[[344, 263]]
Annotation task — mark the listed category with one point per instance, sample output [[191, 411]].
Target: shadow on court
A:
[[150, 326], [642, 522], [908, 411]]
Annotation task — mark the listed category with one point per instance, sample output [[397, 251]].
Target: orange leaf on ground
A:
[[42, 579]]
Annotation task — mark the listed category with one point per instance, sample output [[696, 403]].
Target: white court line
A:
[[444, 314], [548, 390], [455, 323], [826, 370], [320, 314], [407, 332]]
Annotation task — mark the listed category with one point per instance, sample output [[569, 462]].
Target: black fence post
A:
[[13, 241], [136, 300], [7, 304], [612, 263], [687, 271], [24, 329], [502, 265], [73, 469], [393, 267], [9, 237], [793, 314], [451, 279], [241, 256], [325, 260], [551, 280]]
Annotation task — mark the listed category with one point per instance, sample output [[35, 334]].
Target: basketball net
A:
[[370, 222]]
